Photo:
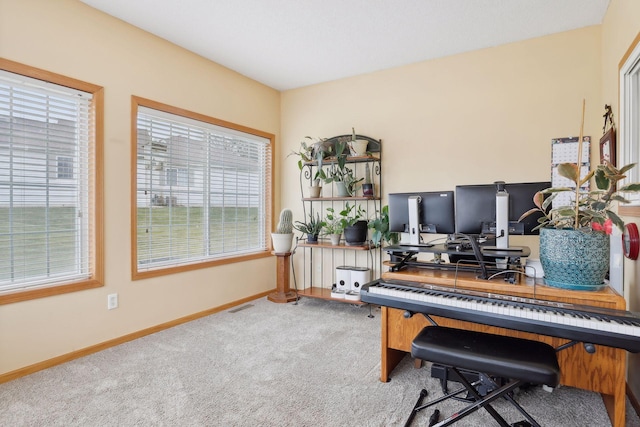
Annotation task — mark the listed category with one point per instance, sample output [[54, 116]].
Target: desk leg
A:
[[390, 357], [616, 406], [282, 293], [615, 403]]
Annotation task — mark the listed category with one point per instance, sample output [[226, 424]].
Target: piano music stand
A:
[[521, 360]]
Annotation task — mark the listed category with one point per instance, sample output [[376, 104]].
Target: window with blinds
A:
[[629, 129], [203, 190], [47, 182]]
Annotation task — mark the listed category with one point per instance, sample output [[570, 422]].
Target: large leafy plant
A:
[[351, 214], [589, 209], [380, 227]]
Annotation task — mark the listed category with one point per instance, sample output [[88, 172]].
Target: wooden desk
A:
[[603, 371]]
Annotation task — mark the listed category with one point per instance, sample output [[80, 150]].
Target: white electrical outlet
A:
[[112, 301]]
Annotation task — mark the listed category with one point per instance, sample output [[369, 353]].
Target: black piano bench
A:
[[520, 360]]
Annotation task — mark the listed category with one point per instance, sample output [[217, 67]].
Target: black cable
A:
[[477, 253], [293, 273]]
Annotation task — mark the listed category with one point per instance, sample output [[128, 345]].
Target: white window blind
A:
[[46, 135], [202, 191]]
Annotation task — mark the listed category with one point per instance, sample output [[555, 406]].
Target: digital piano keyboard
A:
[[593, 325]]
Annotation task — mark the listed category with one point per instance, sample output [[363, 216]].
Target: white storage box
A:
[[343, 278], [359, 276]]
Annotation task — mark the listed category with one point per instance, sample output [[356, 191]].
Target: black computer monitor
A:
[[476, 207], [436, 212], [521, 200]]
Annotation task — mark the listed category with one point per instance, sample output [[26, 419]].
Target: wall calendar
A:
[[565, 150]]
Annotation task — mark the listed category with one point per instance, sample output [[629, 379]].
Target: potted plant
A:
[[354, 224], [312, 228], [283, 236], [333, 226], [313, 149], [367, 185], [346, 182], [574, 239], [380, 227], [358, 147]]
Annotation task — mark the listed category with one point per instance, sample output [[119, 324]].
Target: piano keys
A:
[[588, 324]]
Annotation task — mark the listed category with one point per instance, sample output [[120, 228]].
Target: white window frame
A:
[[202, 185], [629, 126], [177, 177], [83, 267]]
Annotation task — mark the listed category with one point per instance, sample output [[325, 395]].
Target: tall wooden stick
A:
[[577, 223]]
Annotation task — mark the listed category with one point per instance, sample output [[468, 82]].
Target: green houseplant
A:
[[589, 210], [313, 150], [343, 176], [333, 226], [311, 228], [574, 239], [380, 227], [354, 224], [358, 146]]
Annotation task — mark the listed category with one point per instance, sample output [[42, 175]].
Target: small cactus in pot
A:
[[285, 224], [282, 238]]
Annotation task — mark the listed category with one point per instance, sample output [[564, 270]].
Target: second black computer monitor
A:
[[476, 207]]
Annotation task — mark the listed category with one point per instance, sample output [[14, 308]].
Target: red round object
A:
[[630, 241]]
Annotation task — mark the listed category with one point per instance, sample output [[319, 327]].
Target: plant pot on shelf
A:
[[356, 235], [574, 259], [341, 190], [335, 239], [281, 242], [367, 190], [314, 191], [367, 187], [359, 147], [312, 238]]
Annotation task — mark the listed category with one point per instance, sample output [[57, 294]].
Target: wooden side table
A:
[[282, 294]]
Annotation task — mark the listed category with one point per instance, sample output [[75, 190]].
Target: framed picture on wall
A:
[[608, 147]]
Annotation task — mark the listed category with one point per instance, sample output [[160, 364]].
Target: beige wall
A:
[[70, 38], [620, 27], [472, 118]]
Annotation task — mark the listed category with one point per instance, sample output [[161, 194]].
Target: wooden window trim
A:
[[96, 184], [137, 102]]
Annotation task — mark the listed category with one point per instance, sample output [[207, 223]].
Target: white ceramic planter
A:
[[335, 239], [359, 147], [281, 242]]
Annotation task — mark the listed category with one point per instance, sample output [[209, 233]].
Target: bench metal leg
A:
[[480, 402]]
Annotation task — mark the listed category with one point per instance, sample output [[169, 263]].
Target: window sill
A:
[[47, 291]]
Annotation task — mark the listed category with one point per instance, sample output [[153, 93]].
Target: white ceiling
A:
[[287, 44]]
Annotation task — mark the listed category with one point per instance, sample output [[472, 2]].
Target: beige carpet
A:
[[316, 363]]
